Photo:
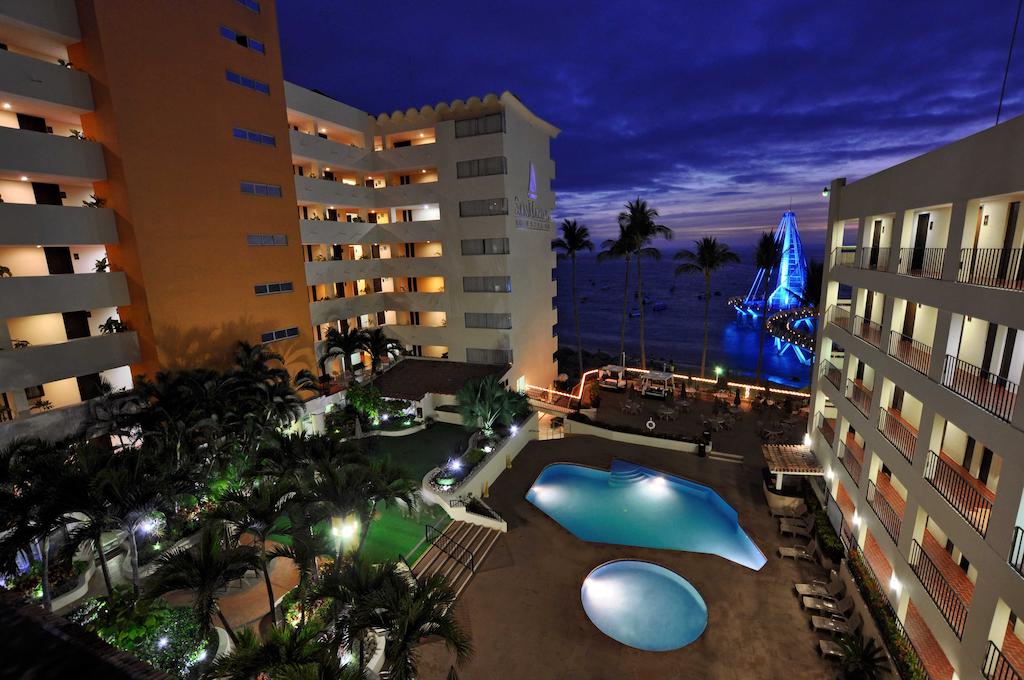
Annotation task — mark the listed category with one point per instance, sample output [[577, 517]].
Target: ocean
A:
[[676, 333]]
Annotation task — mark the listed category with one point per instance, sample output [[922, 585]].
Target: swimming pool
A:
[[634, 505], [644, 605]]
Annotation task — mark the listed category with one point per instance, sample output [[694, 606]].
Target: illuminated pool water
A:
[[634, 505], [644, 605]]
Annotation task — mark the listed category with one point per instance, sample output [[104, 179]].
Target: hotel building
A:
[[164, 193], [915, 400]]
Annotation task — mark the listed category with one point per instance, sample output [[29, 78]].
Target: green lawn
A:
[[421, 452], [394, 533]]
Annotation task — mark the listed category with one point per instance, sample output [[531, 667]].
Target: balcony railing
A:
[[850, 462], [827, 429], [1016, 556], [962, 493], [832, 373], [844, 256], [911, 352], [886, 514], [924, 262], [992, 267], [873, 258], [898, 433], [997, 666], [945, 597], [839, 316], [859, 395], [991, 392], [867, 330]]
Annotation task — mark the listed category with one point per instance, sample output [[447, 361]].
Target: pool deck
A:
[[523, 607]]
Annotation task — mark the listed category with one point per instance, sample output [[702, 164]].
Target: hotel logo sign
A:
[[528, 214]]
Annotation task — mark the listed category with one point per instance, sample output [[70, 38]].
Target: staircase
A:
[[456, 554], [624, 474]]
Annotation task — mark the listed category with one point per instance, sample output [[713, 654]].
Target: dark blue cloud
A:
[[720, 114]]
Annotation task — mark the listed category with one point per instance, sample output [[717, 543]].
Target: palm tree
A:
[[380, 347], [206, 569], [638, 219], [766, 257], [408, 612], [307, 541], [388, 484], [336, 491], [708, 257], [575, 239], [862, 659], [340, 344], [284, 653], [614, 248], [484, 402]]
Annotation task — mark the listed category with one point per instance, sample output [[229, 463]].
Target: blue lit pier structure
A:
[[790, 315]]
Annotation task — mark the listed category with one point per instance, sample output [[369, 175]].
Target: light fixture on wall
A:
[[825, 192], [7, 106], [24, 178]]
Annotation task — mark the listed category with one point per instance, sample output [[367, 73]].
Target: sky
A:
[[720, 114]]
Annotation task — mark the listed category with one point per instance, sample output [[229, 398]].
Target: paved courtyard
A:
[[523, 607]]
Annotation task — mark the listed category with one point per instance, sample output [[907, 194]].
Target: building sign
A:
[[529, 215]]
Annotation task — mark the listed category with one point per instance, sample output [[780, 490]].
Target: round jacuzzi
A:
[[644, 605]]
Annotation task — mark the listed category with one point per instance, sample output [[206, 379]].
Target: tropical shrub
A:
[[366, 400]]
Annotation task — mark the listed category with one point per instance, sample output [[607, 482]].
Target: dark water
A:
[[675, 334]]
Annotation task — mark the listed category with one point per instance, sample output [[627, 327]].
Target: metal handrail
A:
[[992, 267], [860, 396], [1016, 556], [898, 434], [997, 665], [886, 514], [844, 256], [991, 392], [850, 462], [913, 353], [876, 259], [972, 505], [867, 330], [450, 547], [832, 373], [826, 429], [924, 262], [840, 316], [945, 597]]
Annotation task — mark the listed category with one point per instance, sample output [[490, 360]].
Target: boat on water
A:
[[660, 306]]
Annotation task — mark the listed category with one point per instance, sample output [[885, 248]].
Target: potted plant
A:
[[112, 325], [94, 202], [101, 265], [5, 272]]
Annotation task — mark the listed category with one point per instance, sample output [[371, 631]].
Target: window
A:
[[485, 246], [487, 284], [245, 81], [488, 356], [483, 125], [252, 5], [283, 334], [243, 40], [273, 288], [253, 136], [483, 207], [495, 165], [267, 239], [488, 320], [257, 189]]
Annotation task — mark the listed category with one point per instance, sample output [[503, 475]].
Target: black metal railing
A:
[[876, 259], [911, 352], [867, 330], [997, 665], [965, 498], [992, 267], [826, 429], [832, 373], [898, 434], [450, 547], [886, 514], [991, 392], [844, 256], [839, 316], [850, 462], [1016, 556], [923, 262], [945, 597], [859, 395]]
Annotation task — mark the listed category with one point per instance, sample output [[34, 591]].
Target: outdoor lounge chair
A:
[[807, 552], [837, 625], [830, 649], [791, 512], [833, 588], [827, 605], [794, 528]]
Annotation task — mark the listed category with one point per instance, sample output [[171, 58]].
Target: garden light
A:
[[455, 464], [487, 449], [894, 584], [718, 370], [202, 656], [514, 429], [163, 642], [147, 526], [384, 417]]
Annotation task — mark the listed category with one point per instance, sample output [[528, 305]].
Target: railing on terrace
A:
[[867, 330], [450, 546], [832, 373], [876, 259], [844, 256], [898, 433], [859, 395], [886, 514], [992, 267], [964, 496], [840, 316], [945, 597], [826, 428], [850, 462], [911, 352], [997, 666], [1016, 556], [991, 392], [923, 262]]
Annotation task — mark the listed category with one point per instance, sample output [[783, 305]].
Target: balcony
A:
[[416, 156], [923, 262], [868, 331], [46, 157], [330, 192], [331, 271], [929, 651], [986, 390], [911, 352], [859, 395], [25, 77], [27, 224], [888, 506], [330, 153], [832, 373], [840, 316], [57, 20], [968, 496], [992, 267], [1016, 556], [998, 666], [852, 458], [41, 364], [330, 231], [874, 259], [945, 582], [323, 311], [844, 256], [899, 432], [827, 427], [55, 424], [31, 295]]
